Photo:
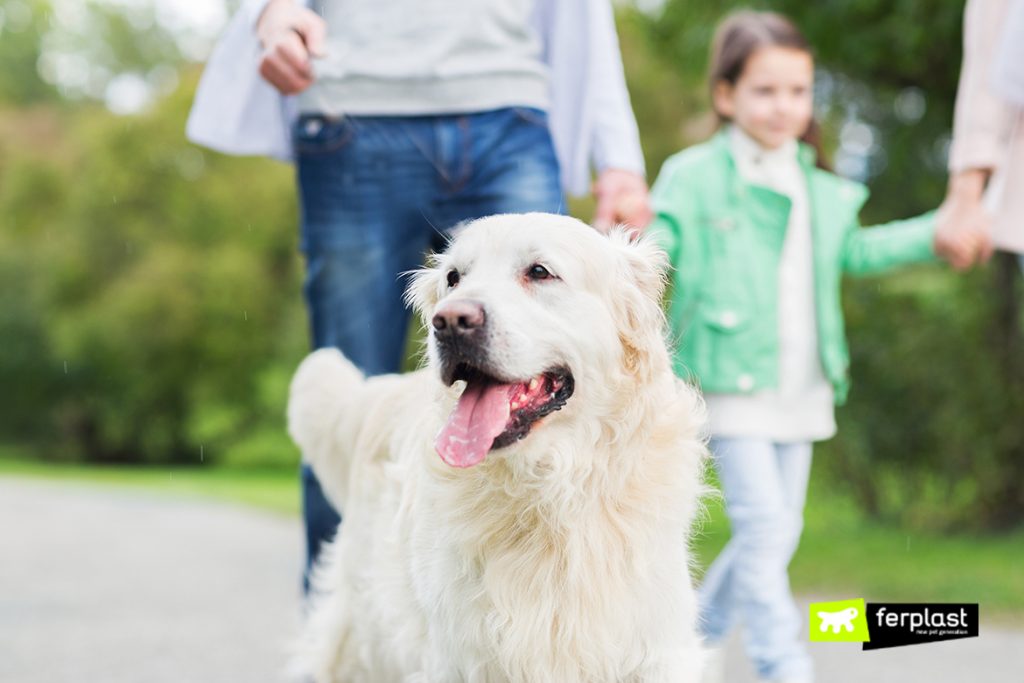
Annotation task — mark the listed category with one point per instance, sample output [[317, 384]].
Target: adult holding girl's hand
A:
[[290, 35], [622, 197], [964, 225]]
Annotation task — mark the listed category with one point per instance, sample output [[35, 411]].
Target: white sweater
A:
[[416, 57], [801, 408]]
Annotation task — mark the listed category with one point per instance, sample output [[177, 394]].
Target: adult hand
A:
[[290, 35], [962, 234], [621, 198]]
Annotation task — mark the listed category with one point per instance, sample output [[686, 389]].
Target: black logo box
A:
[[898, 624]]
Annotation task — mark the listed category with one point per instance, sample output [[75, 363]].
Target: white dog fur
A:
[[561, 558]]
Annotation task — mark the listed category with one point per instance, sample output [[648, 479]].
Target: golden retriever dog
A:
[[519, 510]]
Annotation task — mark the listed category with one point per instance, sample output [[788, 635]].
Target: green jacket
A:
[[724, 238]]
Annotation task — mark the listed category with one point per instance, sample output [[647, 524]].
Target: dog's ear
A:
[[424, 288], [646, 262], [638, 303]]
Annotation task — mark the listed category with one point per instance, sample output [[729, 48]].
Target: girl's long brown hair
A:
[[743, 33]]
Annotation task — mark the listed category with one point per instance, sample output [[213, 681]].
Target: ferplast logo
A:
[[897, 624], [879, 625], [843, 621]]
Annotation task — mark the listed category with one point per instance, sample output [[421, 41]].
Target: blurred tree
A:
[[891, 67], [22, 26], [126, 54], [156, 314], [120, 54], [148, 311]]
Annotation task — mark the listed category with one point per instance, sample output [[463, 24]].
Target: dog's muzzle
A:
[[460, 331]]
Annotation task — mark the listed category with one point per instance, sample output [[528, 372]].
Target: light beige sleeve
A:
[[981, 120]]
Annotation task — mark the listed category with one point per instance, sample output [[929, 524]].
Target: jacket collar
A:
[[805, 154]]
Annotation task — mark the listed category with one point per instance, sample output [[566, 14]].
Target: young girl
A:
[[759, 236]]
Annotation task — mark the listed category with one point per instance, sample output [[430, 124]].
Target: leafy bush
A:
[[932, 436], [154, 287]]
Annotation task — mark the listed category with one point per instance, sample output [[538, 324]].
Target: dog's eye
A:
[[453, 277], [538, 272]]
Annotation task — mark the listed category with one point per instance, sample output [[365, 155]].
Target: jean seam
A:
[[530, 116], [465, 172]]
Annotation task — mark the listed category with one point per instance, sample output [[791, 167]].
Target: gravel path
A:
[[106, 585]]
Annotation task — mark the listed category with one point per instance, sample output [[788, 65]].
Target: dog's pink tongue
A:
[[479, 417]]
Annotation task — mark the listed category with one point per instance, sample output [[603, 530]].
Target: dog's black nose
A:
[[461, 317]]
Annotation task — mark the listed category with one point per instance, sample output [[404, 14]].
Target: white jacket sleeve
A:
[[1009, 69], [235, 111], [615, 138], [592, 122], [981, 118]]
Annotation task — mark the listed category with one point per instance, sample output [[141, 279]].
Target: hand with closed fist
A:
[[290, 35]]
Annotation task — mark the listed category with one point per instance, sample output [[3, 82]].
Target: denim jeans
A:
[[765, 485], [377, 192]]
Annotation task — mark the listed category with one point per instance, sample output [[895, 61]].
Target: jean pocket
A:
[[532, 116], [315, 134]]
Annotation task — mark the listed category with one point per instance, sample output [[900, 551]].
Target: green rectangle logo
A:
[[844, 621]]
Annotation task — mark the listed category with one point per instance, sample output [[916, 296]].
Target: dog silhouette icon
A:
[[837, 620]]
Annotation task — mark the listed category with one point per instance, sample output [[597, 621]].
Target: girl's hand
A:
[[962, 233], [290, 35], [621, 198]]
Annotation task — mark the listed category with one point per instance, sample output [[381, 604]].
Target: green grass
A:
[[842, 554], [276, 490]]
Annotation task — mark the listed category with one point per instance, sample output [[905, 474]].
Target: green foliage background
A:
[[150, 306], [150, 290]]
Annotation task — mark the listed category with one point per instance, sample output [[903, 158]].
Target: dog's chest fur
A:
[[543, 583]]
